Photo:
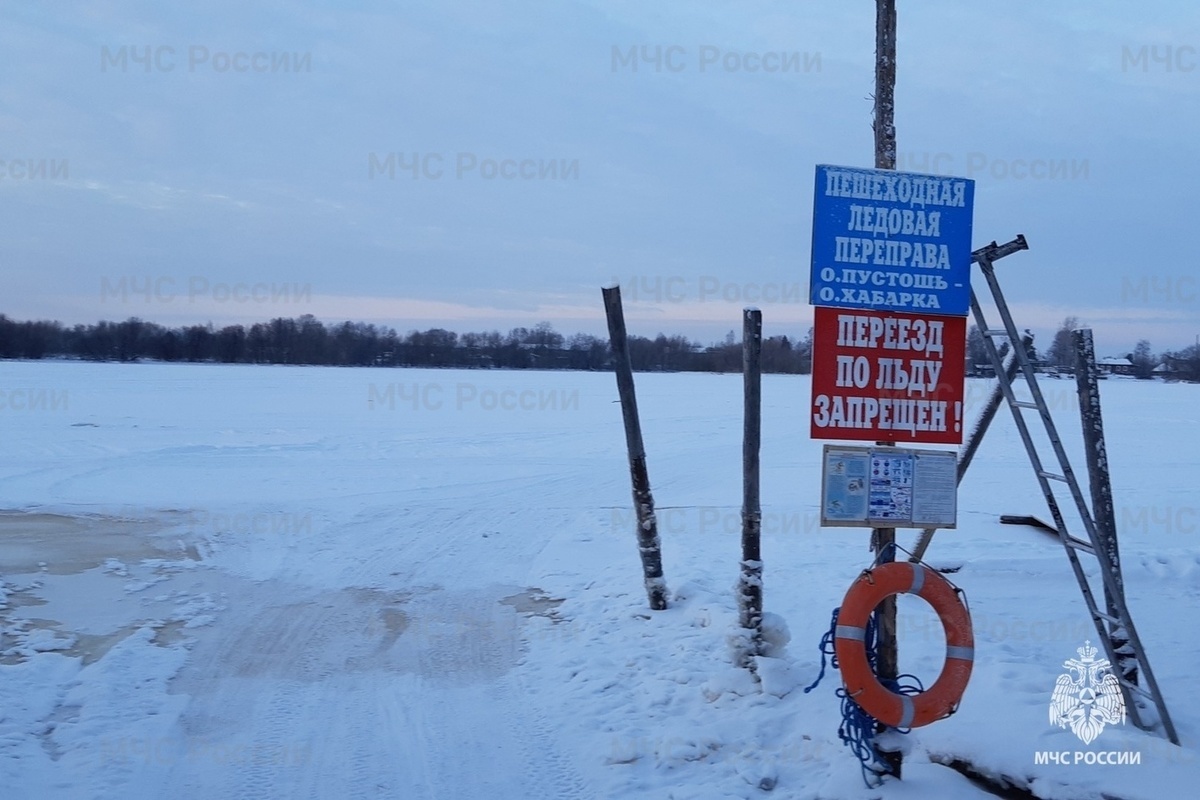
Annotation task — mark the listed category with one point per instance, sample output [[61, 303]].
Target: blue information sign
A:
[[891, 241]]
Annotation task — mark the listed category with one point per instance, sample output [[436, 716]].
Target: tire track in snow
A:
[[486, 738], [275, 700], [369, 693], [363, 694], [552, 773], [462, 647]]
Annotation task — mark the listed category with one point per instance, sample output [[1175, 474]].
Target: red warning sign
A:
[[885, 376]]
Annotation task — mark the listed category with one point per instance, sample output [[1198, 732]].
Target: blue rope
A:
[[857, 730], [827, 649]]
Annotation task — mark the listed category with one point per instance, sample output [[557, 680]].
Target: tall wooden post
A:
[[883, 539], [643, 502], [1105, 518], [885, 84], [750, 588]]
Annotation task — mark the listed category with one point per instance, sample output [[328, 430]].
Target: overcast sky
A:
[[695, 177]]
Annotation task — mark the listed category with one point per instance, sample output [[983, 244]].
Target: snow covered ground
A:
[[231, 581]]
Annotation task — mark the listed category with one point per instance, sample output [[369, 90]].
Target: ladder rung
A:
[[995, 332], [1025, 404], [1133, 687], [1052, 476], [1080, 544], [1107, 618]]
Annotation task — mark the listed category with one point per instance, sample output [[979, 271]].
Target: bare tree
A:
[[1143, 360], [1062, 352], [977, 353]]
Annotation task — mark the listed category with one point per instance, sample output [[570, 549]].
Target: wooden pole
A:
[[884, 539], [643, 502], [1088, 384], [750, 588], [885, 84]]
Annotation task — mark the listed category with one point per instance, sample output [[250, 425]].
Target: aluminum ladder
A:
[[1128, 645]]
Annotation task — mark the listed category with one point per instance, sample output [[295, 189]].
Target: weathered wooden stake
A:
[[643, 502], [750, 588], [884, 539], [1088, 384]]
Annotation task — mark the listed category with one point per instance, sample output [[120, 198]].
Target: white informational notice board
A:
[[889, 487]]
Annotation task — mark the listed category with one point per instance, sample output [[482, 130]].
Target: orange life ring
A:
[[896, 710]]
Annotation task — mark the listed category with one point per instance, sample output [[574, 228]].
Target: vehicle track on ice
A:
[[470, 656], [363, 693], [550, 773]]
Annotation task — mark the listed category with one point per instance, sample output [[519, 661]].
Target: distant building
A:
[[1114, 365], [1173, 368]]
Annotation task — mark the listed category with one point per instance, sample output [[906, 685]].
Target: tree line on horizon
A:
[[308, 341]]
